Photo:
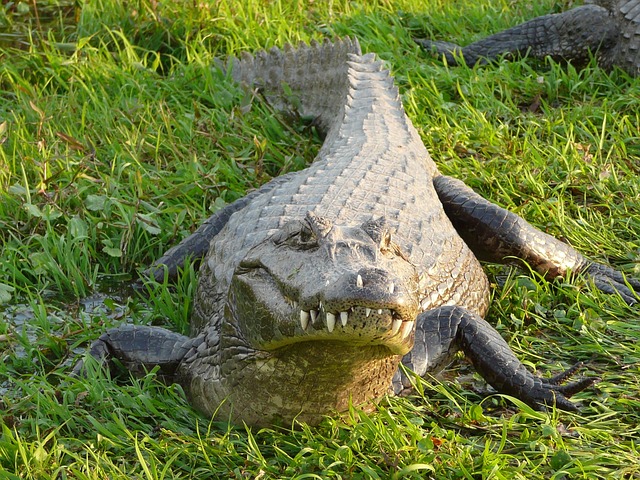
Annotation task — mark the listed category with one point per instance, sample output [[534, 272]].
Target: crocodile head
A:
[[316, 281], [323, 313]]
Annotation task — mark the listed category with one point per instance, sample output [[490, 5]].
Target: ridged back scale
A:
[[626, 53]]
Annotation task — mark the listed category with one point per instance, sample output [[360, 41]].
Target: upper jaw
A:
[[337, 312]]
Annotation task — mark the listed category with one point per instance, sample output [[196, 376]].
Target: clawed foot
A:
[[550, 392], [99, 350], [611, 281]]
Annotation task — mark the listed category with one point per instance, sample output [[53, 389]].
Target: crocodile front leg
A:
[[497, 235], [441, 332], [571, 35], [140, 348]]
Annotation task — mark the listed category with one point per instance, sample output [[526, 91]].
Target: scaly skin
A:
[[608, 29], [317, 285]]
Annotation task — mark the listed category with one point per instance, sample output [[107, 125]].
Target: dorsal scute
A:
[[631, 10], [610, 5], [308, 80]]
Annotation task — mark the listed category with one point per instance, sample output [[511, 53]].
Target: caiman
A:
[[608, 29], [315, 287]]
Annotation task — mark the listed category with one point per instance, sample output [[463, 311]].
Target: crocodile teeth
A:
[[331, 321], [379, 311], [407, 328], [359, 282], [304, 319], [367, 311], [344, 318], [314, 315], [395, 326], [392, 287]]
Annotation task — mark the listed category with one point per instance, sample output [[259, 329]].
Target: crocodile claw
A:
[[558, 378], [611, 281], [550, 392]]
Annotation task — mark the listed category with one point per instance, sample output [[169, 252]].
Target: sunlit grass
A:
[[117, 139]]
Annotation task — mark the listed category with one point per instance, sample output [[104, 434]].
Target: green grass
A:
[[117, 139]]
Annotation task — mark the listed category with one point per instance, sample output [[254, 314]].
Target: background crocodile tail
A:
[[307, 80]]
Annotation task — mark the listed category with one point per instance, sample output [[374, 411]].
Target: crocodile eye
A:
[[300, 236], [304, 239], [307, 237], [280, 237], [286, 233]]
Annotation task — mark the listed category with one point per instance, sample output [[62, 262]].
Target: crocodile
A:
[[608, 29], [315, 288]]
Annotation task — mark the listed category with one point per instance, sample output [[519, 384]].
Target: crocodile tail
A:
[[310, 80], [625, 53]]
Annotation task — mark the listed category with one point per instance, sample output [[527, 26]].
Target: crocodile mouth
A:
[[358, 324], [357, 310], [332, 319]]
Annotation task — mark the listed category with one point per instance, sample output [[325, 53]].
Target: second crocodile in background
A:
[[608, 29], [315, 287]]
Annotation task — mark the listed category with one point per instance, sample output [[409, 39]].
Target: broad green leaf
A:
[[5, 292], [96, 202], [112, 251], [148, 223], [78, 227], [33, 210]]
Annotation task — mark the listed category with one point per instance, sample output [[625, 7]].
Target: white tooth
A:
[[295, 305], [314, 315], [392, 287], [331, 321], [344, 318], [379, 311], [395, 326], [367, 311], [407, 328], [320, 306], [359, 283], [304, 319]]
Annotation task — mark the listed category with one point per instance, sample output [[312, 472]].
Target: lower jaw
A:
[[303, 382]]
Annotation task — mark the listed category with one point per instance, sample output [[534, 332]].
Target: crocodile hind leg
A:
[[441, 332], [139, 349], [571, 35], [497, 235]]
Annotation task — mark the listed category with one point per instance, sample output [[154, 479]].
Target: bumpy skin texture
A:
[[608, 29], [318, 284]]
